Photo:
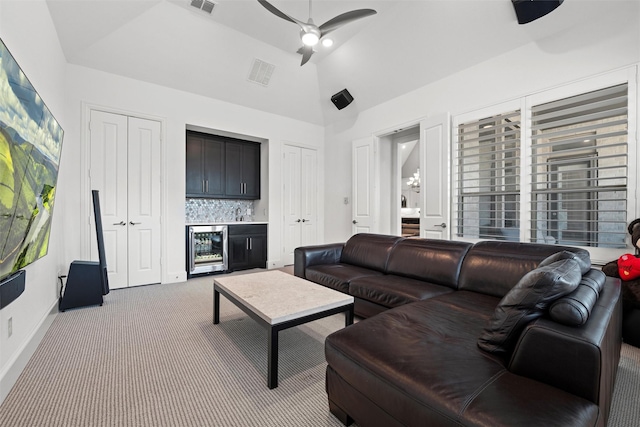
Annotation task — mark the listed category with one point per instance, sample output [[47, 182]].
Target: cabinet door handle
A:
[[304, 220], [120, 223], [203, 186], [247, 242], [134, 223], [206, 186], [250, 243], [298, 220]]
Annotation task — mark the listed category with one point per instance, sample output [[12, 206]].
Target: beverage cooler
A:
[[206, 249]]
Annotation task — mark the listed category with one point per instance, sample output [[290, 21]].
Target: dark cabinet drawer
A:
[[249, 229]]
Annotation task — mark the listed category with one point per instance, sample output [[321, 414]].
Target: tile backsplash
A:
[[217, 210]]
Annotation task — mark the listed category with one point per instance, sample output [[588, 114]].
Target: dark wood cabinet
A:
[[247, 246], [243, 170], [205, 169], [222, 168]]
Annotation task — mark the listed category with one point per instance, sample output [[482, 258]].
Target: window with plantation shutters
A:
[[554, 169], [579, 169], [487, 177]]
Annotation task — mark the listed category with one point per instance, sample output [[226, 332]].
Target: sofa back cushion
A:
[[369, 250], [527, 301], [494, 267], [434, 261]]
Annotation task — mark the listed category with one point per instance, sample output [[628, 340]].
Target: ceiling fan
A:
[[310, 33]]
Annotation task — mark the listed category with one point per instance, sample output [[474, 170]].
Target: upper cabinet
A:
[[205, 166], [222, 168], [243, 170]]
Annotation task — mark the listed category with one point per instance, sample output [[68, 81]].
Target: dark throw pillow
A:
[[575, 308], [582, 257], [528, 300]]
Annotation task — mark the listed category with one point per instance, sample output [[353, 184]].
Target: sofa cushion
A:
[[430, 260], [527, 301], [575, 308], [337, 276], [582, 258], [368, 250], [391, 291], [513, 260], [424, 352]]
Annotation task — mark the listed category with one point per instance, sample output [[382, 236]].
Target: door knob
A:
[[354, 221], [443, 225]]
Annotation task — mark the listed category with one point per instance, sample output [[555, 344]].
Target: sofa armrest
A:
[[306, 256], [581, 360]]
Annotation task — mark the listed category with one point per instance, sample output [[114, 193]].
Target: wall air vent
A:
[[261, 72], [204, 5]]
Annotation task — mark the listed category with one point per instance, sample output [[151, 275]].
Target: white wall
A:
[[575, 54], [27, 31]]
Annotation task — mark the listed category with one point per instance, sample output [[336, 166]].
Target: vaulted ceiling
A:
[[406, 45]]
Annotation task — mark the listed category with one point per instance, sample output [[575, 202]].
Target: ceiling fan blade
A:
[[271, 8], [344, 18], [306, 52]]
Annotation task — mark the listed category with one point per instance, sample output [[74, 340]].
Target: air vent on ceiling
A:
[[261, 72], [204, 5]]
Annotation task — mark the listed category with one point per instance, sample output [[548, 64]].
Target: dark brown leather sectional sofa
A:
[[446, 340]]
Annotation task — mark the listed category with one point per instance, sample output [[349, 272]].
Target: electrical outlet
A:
[[10, 327]]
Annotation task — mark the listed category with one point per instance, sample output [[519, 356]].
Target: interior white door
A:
[[108, 175], [143, 204], [365, 205], [309, 196], [300, 199], [125, 169], [434, 160]]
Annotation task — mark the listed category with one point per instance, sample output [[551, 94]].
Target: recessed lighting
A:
[[327, 42]]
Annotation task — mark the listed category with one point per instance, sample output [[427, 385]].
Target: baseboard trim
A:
[[10, 375]]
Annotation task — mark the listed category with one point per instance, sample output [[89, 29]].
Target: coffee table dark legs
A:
[[348, 316], [216, 307], [272, 361], [272, 376]]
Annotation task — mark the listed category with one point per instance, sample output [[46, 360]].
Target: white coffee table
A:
[[278, 301]]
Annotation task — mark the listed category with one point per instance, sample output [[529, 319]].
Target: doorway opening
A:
[[400, 178]]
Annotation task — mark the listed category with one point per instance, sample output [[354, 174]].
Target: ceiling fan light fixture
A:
[[310, 38], [327, 42]]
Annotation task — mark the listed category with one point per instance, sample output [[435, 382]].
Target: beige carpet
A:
[[150, 356]]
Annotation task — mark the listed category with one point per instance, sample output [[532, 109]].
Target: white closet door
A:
[[291, 167], [108, 175], [125, 169], [144, 201], [309, 196], [300, 193]]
